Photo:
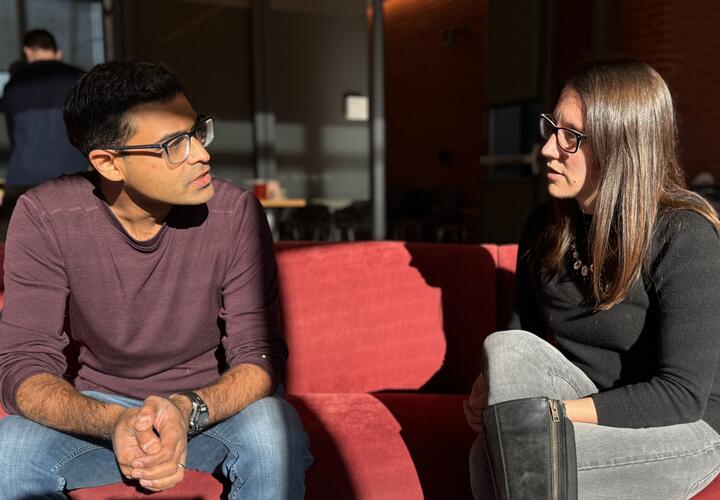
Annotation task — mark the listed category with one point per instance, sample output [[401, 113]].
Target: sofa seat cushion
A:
[[438, 438], [358, 448], [195, 486], [711, 492]]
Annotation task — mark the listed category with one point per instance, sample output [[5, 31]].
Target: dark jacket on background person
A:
[[33, 102]]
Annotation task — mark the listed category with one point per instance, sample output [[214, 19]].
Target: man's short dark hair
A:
[[96, 109], [40, 39]]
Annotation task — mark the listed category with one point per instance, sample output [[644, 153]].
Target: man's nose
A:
[[198, 153]]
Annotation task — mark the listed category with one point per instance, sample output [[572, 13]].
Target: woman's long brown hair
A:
[[630, 121]]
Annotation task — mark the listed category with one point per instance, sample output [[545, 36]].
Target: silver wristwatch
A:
[[199, 414]]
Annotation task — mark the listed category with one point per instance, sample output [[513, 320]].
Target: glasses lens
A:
[[178, 149], [546, 128], [568, 141], [205, 132]]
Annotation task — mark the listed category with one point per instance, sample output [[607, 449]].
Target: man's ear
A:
[[58, 55], [28, 54], [106, 163]]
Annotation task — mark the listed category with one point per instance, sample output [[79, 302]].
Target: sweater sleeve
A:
[[250, 294], [36, 290], [686, 279]]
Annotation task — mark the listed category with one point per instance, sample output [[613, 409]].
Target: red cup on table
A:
[[260, 189]]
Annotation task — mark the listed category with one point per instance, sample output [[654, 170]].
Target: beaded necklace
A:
[[578, 265]]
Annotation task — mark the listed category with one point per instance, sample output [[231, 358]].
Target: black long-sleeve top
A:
[[654, 356]]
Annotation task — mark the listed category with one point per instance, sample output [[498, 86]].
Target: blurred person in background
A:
[[33, 102]]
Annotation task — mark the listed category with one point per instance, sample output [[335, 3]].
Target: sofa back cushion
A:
[[506, 263], [373, 316]]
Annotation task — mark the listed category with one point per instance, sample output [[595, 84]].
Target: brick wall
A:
[[682, 41], [434, 72], [435, 95]]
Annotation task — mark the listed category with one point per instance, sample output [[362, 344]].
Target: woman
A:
[[620, 275]]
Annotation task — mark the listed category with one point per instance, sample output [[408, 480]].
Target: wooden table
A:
[[284, 203], [280, 205]]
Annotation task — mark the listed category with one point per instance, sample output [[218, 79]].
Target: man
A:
[[33, 101], [163, 271]]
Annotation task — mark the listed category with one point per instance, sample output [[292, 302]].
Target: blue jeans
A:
[[673, 462], [262, 450]]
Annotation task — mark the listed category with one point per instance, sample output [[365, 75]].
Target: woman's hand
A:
[[581, 410], [476, 404]]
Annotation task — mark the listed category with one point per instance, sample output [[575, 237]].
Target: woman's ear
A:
[[106, 163]]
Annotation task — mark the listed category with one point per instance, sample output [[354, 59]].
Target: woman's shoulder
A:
[[685, 252], [681, 233], [673, 222]]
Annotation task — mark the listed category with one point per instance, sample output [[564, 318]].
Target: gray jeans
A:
[[673, 462]]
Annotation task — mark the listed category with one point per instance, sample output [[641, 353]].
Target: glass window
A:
[[318, 56], [9, 39], [76, 25]]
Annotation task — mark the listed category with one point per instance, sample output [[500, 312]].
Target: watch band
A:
[[199, 413]]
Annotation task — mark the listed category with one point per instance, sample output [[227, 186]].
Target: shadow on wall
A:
[[439, 443], [467, 283]]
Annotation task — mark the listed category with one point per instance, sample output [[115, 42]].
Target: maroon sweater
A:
[[151, 317]]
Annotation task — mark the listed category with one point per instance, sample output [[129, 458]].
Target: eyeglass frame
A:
[[578, 135], [164, 145]]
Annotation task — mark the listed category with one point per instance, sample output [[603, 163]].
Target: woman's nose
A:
[[550, 148]]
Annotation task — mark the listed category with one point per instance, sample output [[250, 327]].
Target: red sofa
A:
[[385, 341]]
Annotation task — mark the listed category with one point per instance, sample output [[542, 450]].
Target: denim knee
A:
[[516, 366], [519, 364], [269, 431], [512, 338], [511, 347], [24, 461]]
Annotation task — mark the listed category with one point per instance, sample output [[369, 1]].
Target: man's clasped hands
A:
[[150, 443]]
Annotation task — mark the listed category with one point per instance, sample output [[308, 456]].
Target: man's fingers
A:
[[146, 438], [168, 446], [160, 471], [126, 471], [171, 435], [163, 456], [170, 432], [165, 482], [142, 427], [145, 418], [148, 442]]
